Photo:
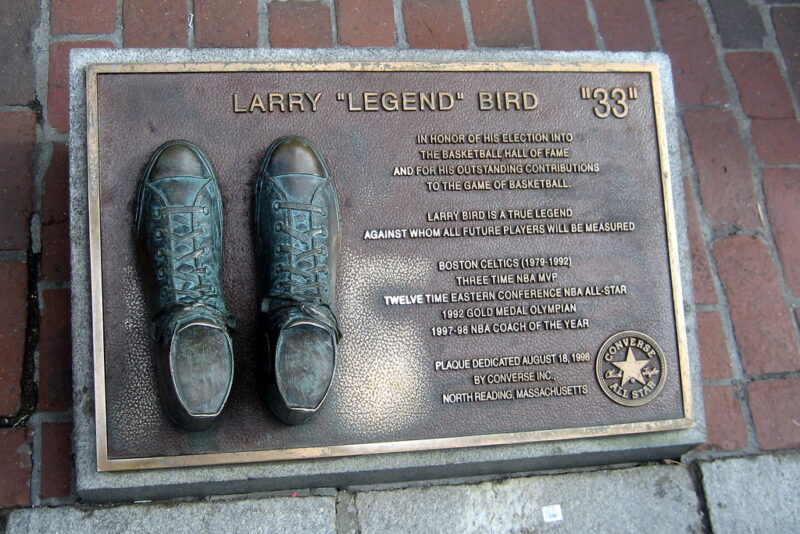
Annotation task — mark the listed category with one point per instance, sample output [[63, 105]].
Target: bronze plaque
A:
[[509, 266]]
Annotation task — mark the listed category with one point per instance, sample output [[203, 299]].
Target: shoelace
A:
[[308, 291], [196, 291]]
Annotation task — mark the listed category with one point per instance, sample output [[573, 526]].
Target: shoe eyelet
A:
[[324, 212], [160, 252], [276, 205], [159, 233], [156, 213], [279, 226], [205, 210]]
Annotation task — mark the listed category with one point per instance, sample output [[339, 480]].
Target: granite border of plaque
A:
[[388, 468]]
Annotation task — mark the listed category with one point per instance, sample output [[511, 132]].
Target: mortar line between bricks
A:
[[117, 34], [735, 108], [399, 24], [17, 107], [467, 17], [84, 37], [45, 285], [591, 14], [52, 417], [262, 41], [773, 376], [651, 15], [534, 29], [708, 307], [190, 23], [119, 23], [781, 166], [771, 44], [334, 27], [14, 256], [36, 464], [721, 382], [744, 123]]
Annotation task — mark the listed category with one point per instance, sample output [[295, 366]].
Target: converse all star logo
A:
[[630, 368]]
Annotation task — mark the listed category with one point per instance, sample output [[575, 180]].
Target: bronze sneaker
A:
[[297, 247], [179, 236]]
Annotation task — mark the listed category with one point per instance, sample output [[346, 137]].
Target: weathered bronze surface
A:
[[297, 237], [178, 227], [500, 225]]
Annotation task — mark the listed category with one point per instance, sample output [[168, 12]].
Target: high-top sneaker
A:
[[297, 245], [179, 234]]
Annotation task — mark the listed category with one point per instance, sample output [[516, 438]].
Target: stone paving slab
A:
[[755, 494], [298, 515], [653, 499]]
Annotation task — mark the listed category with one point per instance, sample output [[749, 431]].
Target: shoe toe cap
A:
[[294, 156], [178, 159]]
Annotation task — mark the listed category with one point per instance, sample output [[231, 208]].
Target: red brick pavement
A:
[[366, 23], [737, 79]]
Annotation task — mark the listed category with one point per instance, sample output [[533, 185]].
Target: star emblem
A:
[[631, 368]]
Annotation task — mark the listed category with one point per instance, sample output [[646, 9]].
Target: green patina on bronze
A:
[[297, 243], [179, 233]]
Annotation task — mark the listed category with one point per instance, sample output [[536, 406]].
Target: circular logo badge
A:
[[630, 368]]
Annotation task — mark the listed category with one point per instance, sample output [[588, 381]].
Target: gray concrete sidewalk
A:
[[751, 494]]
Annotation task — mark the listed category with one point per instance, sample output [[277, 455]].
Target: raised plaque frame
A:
[[103, 463]]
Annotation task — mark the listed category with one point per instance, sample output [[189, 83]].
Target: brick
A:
[[18, 19], [762, 324], [723, 169], [738, 23], [300, 25], [55, 392], [434, 24], [155, 23], [563, 25], [232, 23], [782, 192], [13, 317], [55, 252], [775, 405], [501, 23], [55, 202], [624, 24], [687, 40], [776, 140], [762, 90], [786, 21], [17, 141], [55, 220], [714, 357], [58, 88], [15, 464], [365, 22], [702, 277], [56, 467], [82, 16], [724, 420]]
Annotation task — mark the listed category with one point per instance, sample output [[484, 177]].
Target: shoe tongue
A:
[[299, 187], [179, 190]]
